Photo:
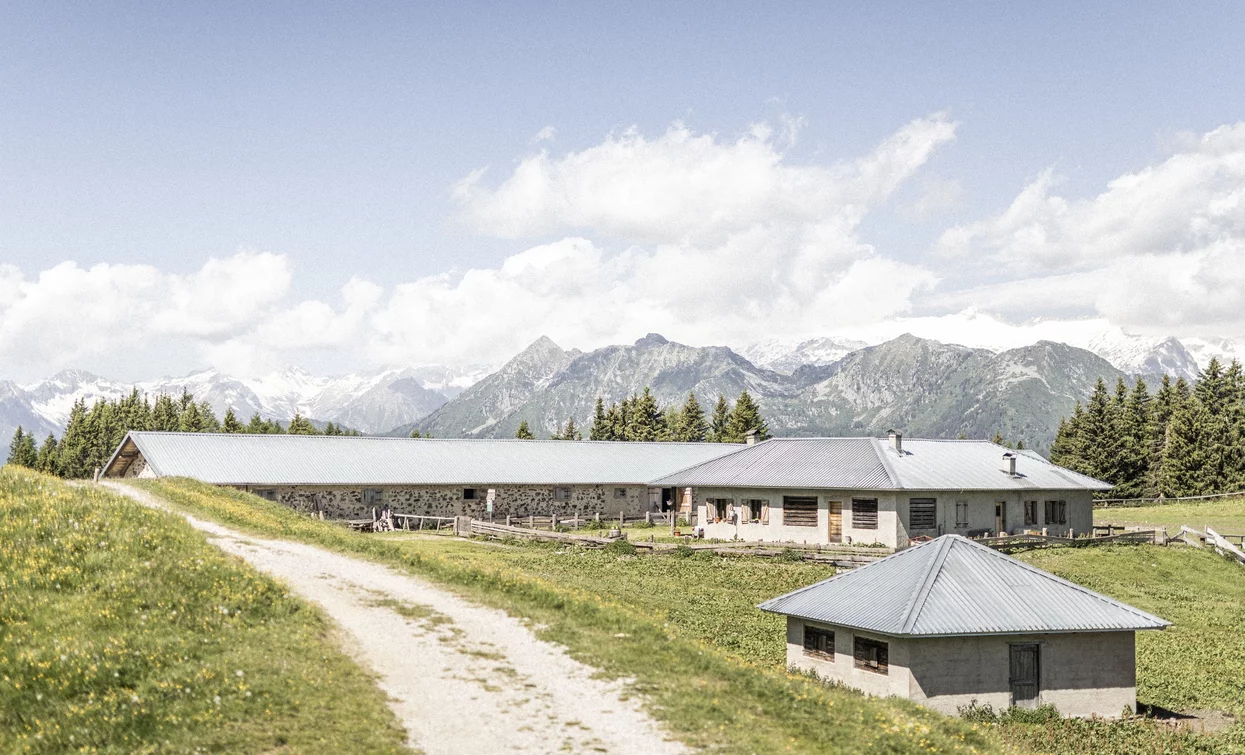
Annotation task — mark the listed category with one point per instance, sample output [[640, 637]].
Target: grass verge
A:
[[123, 630], [1226, 516], [724, 698]]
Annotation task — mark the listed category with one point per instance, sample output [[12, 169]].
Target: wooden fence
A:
[[1110, 503], [841, 556], [1029, 541]]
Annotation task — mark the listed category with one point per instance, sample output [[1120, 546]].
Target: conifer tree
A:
[[692, 427], [231, 424], [1161, 408], [720, 422], [49, 456], [747, 418], [1135, 441], [524, 432], [647, 422], [416, 433], [300, 425], [600, 422], [76, 444], [208, 420], [22, 450], [1183, 464], [569, 431], [190, 420], [613, 421], [165, 414], [624, 421], [1099, 422]]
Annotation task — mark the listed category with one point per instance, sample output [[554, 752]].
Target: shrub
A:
[[620, 548]]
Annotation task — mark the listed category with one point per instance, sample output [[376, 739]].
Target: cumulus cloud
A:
[[1159, 250]]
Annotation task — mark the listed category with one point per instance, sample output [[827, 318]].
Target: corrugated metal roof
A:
[[954, 586], [871, 464], [221, 458]]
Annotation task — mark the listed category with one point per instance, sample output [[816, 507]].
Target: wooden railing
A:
[[1029, 541]]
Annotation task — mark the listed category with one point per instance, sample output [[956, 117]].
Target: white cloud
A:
[[1160, 250], [546, 134]]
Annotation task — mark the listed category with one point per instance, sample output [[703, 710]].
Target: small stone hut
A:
[[346, 477], [951, 621]]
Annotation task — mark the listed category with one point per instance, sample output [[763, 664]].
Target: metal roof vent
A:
[[750, 437], [1010, 458], [896, 439]]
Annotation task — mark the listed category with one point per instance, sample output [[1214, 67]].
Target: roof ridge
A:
[[1060, 580], [891, 474], [922, 592], [716, 458]]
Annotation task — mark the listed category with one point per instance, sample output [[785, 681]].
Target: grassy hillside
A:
[[687, 629], [1226, 516], [122, 630], [726, 696]]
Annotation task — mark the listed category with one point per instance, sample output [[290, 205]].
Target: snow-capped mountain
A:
[[1205, 349], [369, 402], [787, 356], [1145, 355]]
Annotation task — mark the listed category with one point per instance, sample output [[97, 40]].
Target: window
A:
[[871, 655], [865, 513], [562, 493], [1030, 513], [922, 514], [268, 494], [1056, 512], [372, 496], [469, 494], [819, 643], [719, 507], [961, 513], [756, 508], [799, 511], [620, 492]]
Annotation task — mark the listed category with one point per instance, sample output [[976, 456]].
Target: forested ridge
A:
[[1182, 440], [92, 435]]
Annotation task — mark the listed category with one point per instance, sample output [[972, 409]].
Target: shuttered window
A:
[[922, 514], [819, 643], [871, 655], [865, 513], [1056, 512], [372, 496], [1030, 513], [755, 508], [799, 511]]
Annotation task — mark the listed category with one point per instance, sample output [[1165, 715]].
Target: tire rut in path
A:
[[461, 678]]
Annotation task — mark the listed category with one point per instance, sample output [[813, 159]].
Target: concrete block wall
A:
[[1081, 674]]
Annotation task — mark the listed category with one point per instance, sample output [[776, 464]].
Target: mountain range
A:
[[819, 386]]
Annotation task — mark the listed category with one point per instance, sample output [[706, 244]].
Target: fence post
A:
[[507, 520], [648, 517], [531, 521], [620, 519], [576, 520]]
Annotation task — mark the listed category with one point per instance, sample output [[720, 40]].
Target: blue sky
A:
[[332, 138]]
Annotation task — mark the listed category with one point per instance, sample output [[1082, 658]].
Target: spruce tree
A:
[[208, 420], [165, 414], [624, 428], [569, 431], [613, 421], [231, 424], [747, 418], [1099, 423], [76, 445], [300, 425], [523, 433], [692, 425], [49, 456], [190, 420], [1182, 473], [646, 418], [1161, 409], [1136, 430], [600, 422], [719, 424], [416, 433], [22, 450], [671, 424]]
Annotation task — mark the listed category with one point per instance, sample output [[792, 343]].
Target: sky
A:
[[342, 187]]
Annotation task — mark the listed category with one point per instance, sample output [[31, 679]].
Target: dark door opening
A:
[[1023, 675]]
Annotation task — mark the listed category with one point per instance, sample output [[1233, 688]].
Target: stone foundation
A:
[[443, 500]]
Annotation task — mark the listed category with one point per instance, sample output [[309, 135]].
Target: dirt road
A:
[[462, 678]]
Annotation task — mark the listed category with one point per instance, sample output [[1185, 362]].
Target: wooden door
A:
[[835, 534], [1023, 675], [1000, 519]]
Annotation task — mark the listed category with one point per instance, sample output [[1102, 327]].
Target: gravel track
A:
[[461, 678]]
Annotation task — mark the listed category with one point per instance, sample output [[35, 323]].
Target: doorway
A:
[[1023, 674], [835, 532], [1000, 518]]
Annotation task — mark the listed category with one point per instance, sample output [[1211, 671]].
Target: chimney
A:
[[1010, 458], [896, 439], [751, 437]]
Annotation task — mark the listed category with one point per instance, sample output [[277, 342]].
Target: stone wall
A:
[[444, 500], [137, 467]]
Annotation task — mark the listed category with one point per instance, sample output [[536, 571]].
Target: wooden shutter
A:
[[922, 514], [765, 512], [871, 655], [744, 512], [865, 513], [730, 512], [799, 511]]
